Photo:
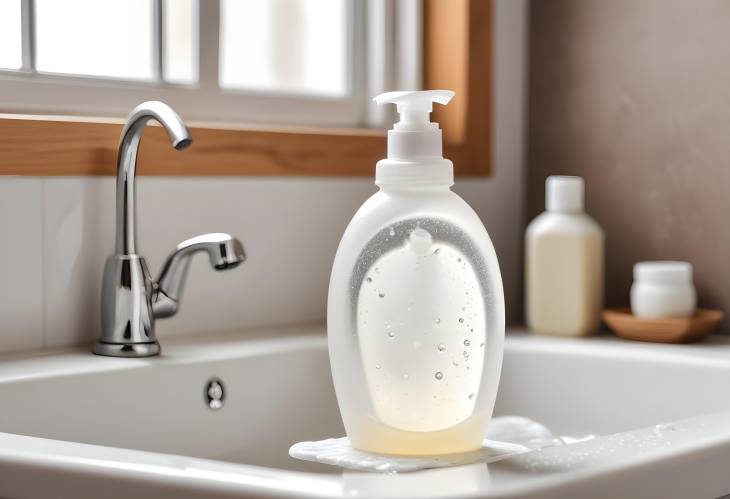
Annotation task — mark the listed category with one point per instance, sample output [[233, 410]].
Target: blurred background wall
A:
[[635, 97]]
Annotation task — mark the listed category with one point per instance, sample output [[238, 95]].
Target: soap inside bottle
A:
[[421, 327]]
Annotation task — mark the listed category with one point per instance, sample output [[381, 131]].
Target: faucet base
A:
[[127, 349]]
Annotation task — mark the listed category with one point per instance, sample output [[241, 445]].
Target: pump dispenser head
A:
[[414, 135], [414, 107]]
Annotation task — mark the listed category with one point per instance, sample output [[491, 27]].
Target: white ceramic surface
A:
[[21, 264], [78, 426]]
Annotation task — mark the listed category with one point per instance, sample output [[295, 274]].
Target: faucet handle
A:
[[224, 251]]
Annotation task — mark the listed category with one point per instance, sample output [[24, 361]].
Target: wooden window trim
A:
[[457, 55]]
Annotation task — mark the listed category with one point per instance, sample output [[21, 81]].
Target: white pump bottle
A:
[[415, 313]]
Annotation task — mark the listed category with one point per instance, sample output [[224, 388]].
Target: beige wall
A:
[[635, 97]]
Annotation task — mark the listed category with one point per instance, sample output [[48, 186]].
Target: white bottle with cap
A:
[[415, 313], [564, 264]]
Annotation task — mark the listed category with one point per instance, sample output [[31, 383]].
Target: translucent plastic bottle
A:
[[564, 263], [415, 313]]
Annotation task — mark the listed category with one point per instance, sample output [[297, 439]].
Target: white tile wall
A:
[[290, 229], [56, 232], [21, 264]]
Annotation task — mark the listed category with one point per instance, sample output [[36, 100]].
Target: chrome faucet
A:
[[130, 299]]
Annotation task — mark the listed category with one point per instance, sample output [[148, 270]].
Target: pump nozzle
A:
[[414, 107]]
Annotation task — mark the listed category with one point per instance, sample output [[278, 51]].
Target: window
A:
[[299, 62], [10, 35], [383, 51], [289, 46]]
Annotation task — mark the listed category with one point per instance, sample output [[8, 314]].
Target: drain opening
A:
[[215, 394]]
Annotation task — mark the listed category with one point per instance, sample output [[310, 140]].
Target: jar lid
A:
[[663, 272]]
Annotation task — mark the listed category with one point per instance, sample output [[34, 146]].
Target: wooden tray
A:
[[671, 330]]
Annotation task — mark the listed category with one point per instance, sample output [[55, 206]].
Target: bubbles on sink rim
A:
[[564, 456]]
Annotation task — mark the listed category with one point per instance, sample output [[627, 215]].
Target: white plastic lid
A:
[[414, 135], [564, 194], [663, 272]]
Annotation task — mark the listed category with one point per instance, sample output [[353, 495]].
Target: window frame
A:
[[456, 55], [29, 91]]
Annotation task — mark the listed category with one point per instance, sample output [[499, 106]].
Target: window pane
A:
[[11, 52], [180, 41], [95, 37], [285, 45]]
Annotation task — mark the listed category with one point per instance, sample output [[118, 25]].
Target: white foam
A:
[[507, 436]]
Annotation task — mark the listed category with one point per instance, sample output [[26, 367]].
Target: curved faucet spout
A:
[[224, 252], [126, 237], [131, 300]]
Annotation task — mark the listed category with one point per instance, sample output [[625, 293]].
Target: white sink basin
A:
[[77, 425]]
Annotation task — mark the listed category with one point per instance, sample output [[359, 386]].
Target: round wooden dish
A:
[[670, 330]]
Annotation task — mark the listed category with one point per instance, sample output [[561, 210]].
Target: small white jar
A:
[[663, 289]]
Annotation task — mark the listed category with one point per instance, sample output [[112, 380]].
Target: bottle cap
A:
[[414, 135], [663, 272], [564, 194]]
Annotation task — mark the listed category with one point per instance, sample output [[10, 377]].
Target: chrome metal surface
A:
[[224, 251], [215, 394], [130, 299]]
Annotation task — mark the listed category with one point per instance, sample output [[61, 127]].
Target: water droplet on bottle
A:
[[454, 363], [467, 343], [381, 294], [406, 376], [420, 241], [368, 279], [391, 334], [461, 320], [392, 232], [481, 344], [458, 259], [441, 347], [377, 366], [466, 354], [437, 251], [438, 321], [439, 375], [471, 396]]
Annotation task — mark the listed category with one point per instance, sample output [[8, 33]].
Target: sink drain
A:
[[215, 394]]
